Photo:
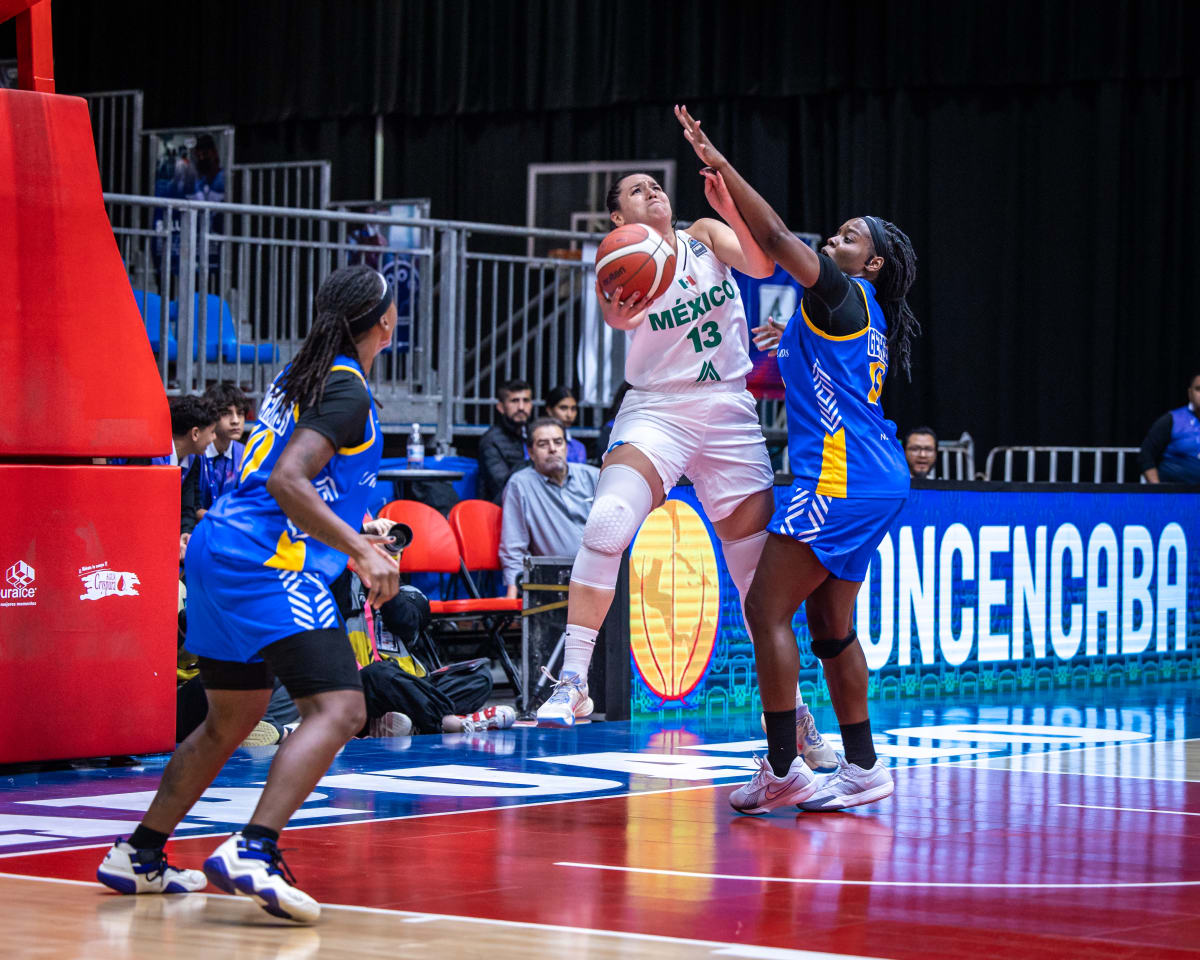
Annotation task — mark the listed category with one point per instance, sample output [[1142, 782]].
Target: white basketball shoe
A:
[[256, 869], [128, 870], [496, 717], [765, 791], [851, 786], [568, 702]]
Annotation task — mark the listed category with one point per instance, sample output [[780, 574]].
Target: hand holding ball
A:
[[636, 259]]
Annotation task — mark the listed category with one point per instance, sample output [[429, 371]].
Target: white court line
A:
[[975, 762], [175, 838], [881, 883], [1094, 806], [718, 948], [985, 763]]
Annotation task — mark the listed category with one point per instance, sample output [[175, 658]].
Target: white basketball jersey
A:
[[695, 335]]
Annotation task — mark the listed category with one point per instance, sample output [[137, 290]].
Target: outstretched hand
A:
[[717, 194], [709, 155], [768, 335]]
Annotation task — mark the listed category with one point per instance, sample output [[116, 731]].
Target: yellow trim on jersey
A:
[[849, 336], [289, 553], [833, 466], [371, 439], [353, 370], [257, 448]]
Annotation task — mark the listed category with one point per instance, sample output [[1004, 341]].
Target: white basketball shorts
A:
[[714, 438]]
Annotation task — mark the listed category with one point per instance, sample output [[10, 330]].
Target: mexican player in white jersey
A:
[[687, 413]]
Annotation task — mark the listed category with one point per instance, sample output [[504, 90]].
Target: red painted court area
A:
[[962, 863]]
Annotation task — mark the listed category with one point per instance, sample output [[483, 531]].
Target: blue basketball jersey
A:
[[248, 523], [839, 443]]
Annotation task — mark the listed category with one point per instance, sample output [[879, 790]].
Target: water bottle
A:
[[416, 448]]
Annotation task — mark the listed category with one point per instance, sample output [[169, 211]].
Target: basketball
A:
[[635, 258]]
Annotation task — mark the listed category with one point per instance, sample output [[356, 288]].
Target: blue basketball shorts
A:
[[236, 607], [843, 533]]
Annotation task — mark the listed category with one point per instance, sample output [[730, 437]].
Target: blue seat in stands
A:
[[150, 307], [220, 334]]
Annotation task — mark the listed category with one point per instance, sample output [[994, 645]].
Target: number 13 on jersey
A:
[[712, 335]]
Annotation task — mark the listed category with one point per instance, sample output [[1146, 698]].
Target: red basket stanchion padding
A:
[[73, 348]]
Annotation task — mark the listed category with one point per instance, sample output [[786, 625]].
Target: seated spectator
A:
[[222, 460], [502, 448], [1171, 451], [193, 427], [544, 508], [563, 406], [920, 450]]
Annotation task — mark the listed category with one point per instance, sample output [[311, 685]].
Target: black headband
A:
[[878, 236], [361, 324]]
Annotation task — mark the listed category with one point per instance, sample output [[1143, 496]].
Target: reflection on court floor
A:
[[1049, 824]]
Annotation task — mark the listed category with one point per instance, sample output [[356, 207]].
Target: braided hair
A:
[[343, 295], [891, 286]]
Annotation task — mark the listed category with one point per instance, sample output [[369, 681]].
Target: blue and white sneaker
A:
[[256, 869], [129, 870], [568, 703]]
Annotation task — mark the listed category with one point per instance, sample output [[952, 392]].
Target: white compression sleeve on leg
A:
[[741, 557], [623, 500]]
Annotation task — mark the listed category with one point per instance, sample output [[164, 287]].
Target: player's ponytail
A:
[[891, 287], [343, 295]]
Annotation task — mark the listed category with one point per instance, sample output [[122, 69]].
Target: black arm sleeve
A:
[[832, 303], [1155, 443], [341, 415]]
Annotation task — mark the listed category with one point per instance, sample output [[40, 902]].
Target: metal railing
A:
[[957, 458], [117, 129], [1062, 464], [302, 184], [236, 283]]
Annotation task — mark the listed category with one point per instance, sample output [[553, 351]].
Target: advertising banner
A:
[[975, 588]]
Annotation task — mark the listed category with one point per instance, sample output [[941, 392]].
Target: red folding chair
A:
[[436, 549]]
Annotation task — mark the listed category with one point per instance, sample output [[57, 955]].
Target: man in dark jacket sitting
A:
[[502, 448]]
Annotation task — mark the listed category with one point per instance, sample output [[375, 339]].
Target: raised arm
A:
[[766, 227], [733, 244]]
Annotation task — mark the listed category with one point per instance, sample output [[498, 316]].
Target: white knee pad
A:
[[741, 557], [623, 500]]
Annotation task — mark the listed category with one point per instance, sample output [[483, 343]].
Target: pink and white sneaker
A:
[[765, 791], [497, 717]]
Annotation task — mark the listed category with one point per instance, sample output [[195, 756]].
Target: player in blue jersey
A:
[[259, 567], [851, 480]]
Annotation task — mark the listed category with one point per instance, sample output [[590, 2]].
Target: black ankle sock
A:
[[857, 744], [143, 838], [252, 831], [781, 740]]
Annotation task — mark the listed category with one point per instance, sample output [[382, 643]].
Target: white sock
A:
[[577, 651], [799, 697]]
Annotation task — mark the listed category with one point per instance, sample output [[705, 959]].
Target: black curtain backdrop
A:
[[1039, 153]]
